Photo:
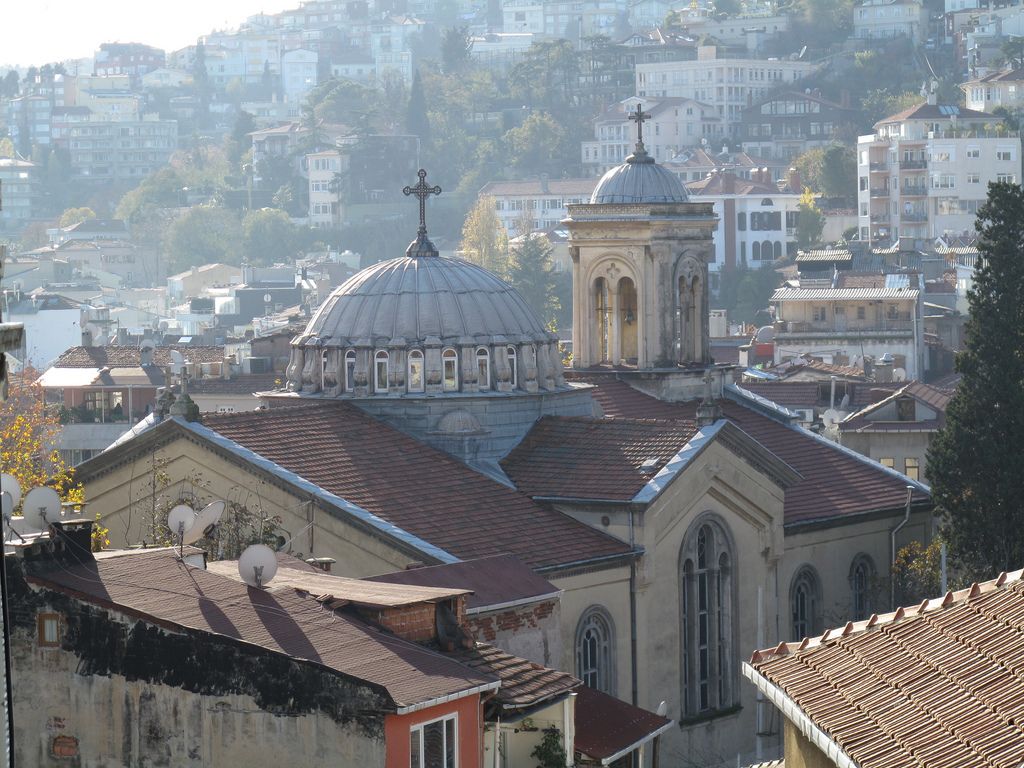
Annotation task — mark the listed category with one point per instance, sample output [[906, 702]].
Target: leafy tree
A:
[[238, 141], [810, 221], [10, 84], [539, 145], [268, 236], [728, 7], [484, 240], [1012, 50], [531, 272], [831, 171], [550, 752], [73, 216], [417, 121], [745, 292], [974, 461], [205, 234], [455, 47], [6, 147]]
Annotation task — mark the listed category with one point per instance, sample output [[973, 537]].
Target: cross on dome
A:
[[639, 117], [421, 246]]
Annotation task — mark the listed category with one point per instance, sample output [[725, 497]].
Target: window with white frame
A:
[[804, 600], [415, 374], [434, 744], [513, 372], [450, 370], [594, 650], [350, 370], [48, 626], [380, 371], [1005, 178], [973, 178], [483, 368]]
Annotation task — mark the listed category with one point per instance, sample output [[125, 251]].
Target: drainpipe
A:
[[632, 612], [892, 539], [832, 397]]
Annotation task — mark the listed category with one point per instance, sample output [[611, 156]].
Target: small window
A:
[[434, 744], [912, 468], [804, 600], [513, 373], [350, 370], [887, 461], [741, 221], [862, 576], [861, 313], [450, 370], [380, 372], [483, 365], [49, 626], [415, 371]]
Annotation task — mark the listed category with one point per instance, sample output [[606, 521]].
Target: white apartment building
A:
[[886, 19], [19, 180], [748, 30], [673, 125], [119, 149], [323, 195], [544, 202], [729, 85], [996, 89], [523, 16], [298, 73], [925, 171]]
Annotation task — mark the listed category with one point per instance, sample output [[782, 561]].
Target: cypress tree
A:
[[417, 122], [976, 461]]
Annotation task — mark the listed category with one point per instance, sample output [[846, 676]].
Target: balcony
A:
[[880, 217], [879, 192], [915, 190], [913, 165], [878, 167], [854, 329], [915, 217]]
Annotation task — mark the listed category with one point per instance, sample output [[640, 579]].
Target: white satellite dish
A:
[[10, 486], [831, 416], [206, 521], [899, 374], [257, 565], [41, 507], [181, 519]]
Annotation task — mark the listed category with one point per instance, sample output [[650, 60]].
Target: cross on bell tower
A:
[[421, 246]]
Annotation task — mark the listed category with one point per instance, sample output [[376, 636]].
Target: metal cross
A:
[[638, 117], [422, 190]]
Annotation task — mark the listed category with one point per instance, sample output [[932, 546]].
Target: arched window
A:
[[380, 372], [804, 599], [707, 620], [350, 370], [766, 250], [450, 370], [415, 382], [323, 369], [483, 368], [862, 576], [755, 251], [777, 249], [767, 201], [513, 368], [594, 644]]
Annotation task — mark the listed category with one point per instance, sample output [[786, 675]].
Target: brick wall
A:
[[531, 631]]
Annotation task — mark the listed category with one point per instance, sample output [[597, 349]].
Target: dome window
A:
[[483, 364], [450, 370], [350, 370], [415, 371], [323, 369], [513, 369], [381, 362]]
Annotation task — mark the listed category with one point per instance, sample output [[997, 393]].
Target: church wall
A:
[[532, 631]]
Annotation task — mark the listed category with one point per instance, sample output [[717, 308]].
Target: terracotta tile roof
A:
[[935, 685], [494, 581], [789, 394], [860, 280], [126, 356], [524, 683], [936, 399], [157, 585], [590, 458], [836, 482], [422, 490], [948, 382], [606, 726], [928, 111]]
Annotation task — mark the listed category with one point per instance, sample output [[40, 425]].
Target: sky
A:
[[41, 31]]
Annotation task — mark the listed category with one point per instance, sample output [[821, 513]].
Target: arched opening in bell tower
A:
[[602, 321], [692, 316], [628, 322]]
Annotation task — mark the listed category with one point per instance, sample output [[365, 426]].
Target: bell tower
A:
[[640, 254]]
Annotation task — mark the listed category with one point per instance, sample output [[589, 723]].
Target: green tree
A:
[[830, 171], [809, 222], [73, 216], [539, 145], [532, 273], [6, 147], [205, 234], [974, 461], [1012, 50], [455, 47], [417, 121], [484, 239], [728, 7], [10, 84], [238, 141], [268, 236]]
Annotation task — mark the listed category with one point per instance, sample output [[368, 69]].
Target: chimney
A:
[[86, 337], [906, 244], [794, 181], [145, 355], [544, 187], [728, 182], [883, 368], [708, 412], [766, 175]]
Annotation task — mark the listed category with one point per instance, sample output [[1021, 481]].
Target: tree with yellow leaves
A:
[[484, 239]]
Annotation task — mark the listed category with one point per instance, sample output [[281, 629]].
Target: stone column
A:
[[467, 362], [528, 372], [364, 353], [432, 371], [499, 364], [614, 326], [294, 370]]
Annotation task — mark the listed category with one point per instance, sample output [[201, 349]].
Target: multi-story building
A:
[[133, 59], [540, 201], [886, 19], [298, 73], [747, 31], [695, 164], [109, 150], [674, 124], [19, 180], [729, 85], [28, 121], [523, 16], [925, 171], [996, 89], [787, 124], [323, 168]]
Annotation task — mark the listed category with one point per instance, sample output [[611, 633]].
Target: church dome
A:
[[639, 180]]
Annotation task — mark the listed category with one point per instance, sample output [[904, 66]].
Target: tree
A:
[[974, 460], [417, 121], [809, 222], [531, 272], [830, 171], [455, 47], [6, 147], [728, 7], [238, 141], [484, 239], [10, 84], [1012, 50], [537, 146], [73, 216], [205, 234], [268, 236]]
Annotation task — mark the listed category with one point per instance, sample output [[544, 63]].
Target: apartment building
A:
[[996, 89], [729, 85], [123, 149], [133, 59], [673, 124], [887, 19], [925, 171], [323, 170], [789, 123], [541, 201], [19, 180]]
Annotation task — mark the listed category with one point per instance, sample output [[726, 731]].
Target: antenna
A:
[[257, 565], [42, 507], [206, 520], [180, 520]]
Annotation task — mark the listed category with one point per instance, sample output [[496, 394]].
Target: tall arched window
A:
[[415, 377], [513, 368], [777, 249], [350, 370], [755, 251], [483, 368], [450, 370], [862, 576], [804, 602], [380, 371], [707, 620], [594, 650], [766, 250]]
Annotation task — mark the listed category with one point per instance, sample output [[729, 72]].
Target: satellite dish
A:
[[267, 298], [10, 486], [177, 362], [830, 417], [257, 565], [181, 519], [41, 507], [206, 520], [899, 374], [765, 334], [663, 708]]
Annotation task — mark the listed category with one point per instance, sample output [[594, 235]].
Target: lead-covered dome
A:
[[639, 180]]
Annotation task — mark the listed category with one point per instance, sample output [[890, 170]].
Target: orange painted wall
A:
[[469, 732]]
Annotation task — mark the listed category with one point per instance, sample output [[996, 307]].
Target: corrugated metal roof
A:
[[841, 294], [825, 254]]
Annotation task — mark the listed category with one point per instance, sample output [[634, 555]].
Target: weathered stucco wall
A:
[[531, 631]]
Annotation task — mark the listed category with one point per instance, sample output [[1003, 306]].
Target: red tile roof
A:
[[935, 685], [127, 356], [494, 580], [157, 585], [590, 458], [411, 485], [606, 726], [524, 683], [836, 482], [789, 394], [932, 397]]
